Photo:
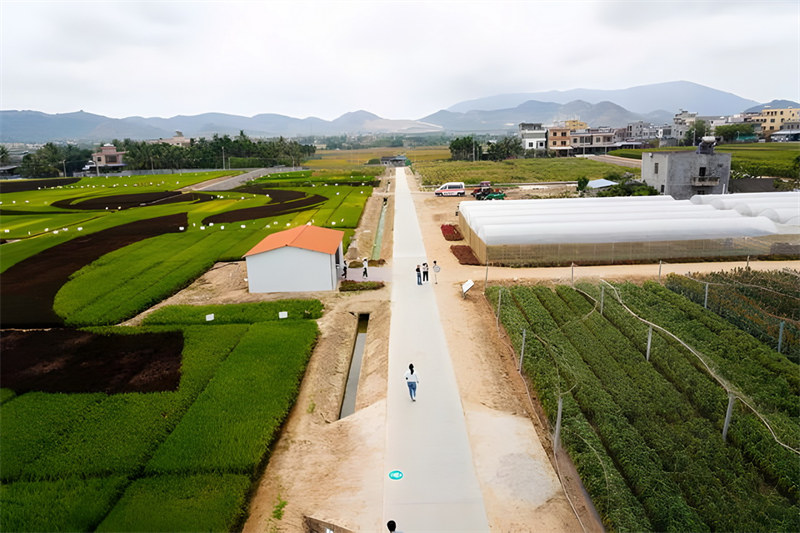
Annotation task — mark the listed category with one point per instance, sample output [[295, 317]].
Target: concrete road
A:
[[426, 440]]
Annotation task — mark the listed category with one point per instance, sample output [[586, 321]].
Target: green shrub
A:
[[350, 285]]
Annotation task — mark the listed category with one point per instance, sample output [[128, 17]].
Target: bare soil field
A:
[[72, 361]]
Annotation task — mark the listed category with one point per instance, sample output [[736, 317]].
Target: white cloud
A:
[[396, 59]]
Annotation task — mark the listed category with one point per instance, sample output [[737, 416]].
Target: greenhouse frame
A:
[[633, 229]]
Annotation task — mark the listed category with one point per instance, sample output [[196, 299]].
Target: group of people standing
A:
[[422, 273]]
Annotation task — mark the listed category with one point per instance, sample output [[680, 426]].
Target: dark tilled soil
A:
[[118, 201], [32, 185], [63, 360], [28, 289], [283, 202]]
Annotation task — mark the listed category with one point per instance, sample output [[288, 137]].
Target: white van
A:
[[452, 188]]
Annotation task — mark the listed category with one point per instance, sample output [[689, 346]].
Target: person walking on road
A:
[[366, 264], [412, 379], [419, 276], [392, 527], [424, 272], [344, 270]]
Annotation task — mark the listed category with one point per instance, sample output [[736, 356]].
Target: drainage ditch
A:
[[349, 400]]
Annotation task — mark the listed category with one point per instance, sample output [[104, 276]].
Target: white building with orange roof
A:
[[301, 259]]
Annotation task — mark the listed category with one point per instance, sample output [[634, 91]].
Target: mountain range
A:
[[500, 114]]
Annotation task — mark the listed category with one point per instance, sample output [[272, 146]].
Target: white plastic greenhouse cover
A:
[[469, 209], [783, 215], [708, 198], [612, 231], [617, 219], [497, 219]]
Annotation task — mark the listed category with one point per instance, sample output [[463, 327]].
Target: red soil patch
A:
[[464, 254], [283, 202], [28, 288], [72, 361], [451, 233]]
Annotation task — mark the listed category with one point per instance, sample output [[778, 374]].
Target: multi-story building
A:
[[593, 140], [684, 174], [772, 119], [682, 122], [558, 140], [533, 135], [107, 158], [641, 130], [574, 124]]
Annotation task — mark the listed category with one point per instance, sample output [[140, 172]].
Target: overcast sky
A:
[[397, 59]]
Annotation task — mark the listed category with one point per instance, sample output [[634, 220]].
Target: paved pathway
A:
[[426, 440]]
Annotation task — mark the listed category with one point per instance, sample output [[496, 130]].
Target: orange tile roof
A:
[[307, 237]]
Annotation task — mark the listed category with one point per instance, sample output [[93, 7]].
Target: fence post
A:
[[486, 278], [649, 341], [659, 270], [705, 299], [780, 336], [602, 297], [731, 399], [748, 261], [572, 274], [522, 351], [499, 302], [557, 438]]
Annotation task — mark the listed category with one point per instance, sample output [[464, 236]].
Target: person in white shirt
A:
[[412, 379]]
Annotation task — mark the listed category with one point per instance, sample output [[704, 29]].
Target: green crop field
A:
[[174, 460], [644, 434], [511, 171], [756, 159], [144, 461], [122, 283]]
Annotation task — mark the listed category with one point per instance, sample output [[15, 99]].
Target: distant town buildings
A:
[[772, 120], [176, 140]]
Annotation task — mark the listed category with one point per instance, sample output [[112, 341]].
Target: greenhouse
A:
[[631, 229]]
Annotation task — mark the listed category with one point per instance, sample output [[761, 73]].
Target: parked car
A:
[[481, 188], [451, 188]]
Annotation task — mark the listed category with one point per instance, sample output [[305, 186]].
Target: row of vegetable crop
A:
[[767, 314], [547, 365], [686, 372], [709, 472], [650, 428], [181, 460], [768, 378]]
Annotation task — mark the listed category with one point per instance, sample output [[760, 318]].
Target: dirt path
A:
[[332, 469]]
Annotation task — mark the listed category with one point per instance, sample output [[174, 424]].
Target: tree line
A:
[[218, 152]]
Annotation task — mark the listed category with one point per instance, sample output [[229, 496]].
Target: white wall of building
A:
[[291, 269]]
